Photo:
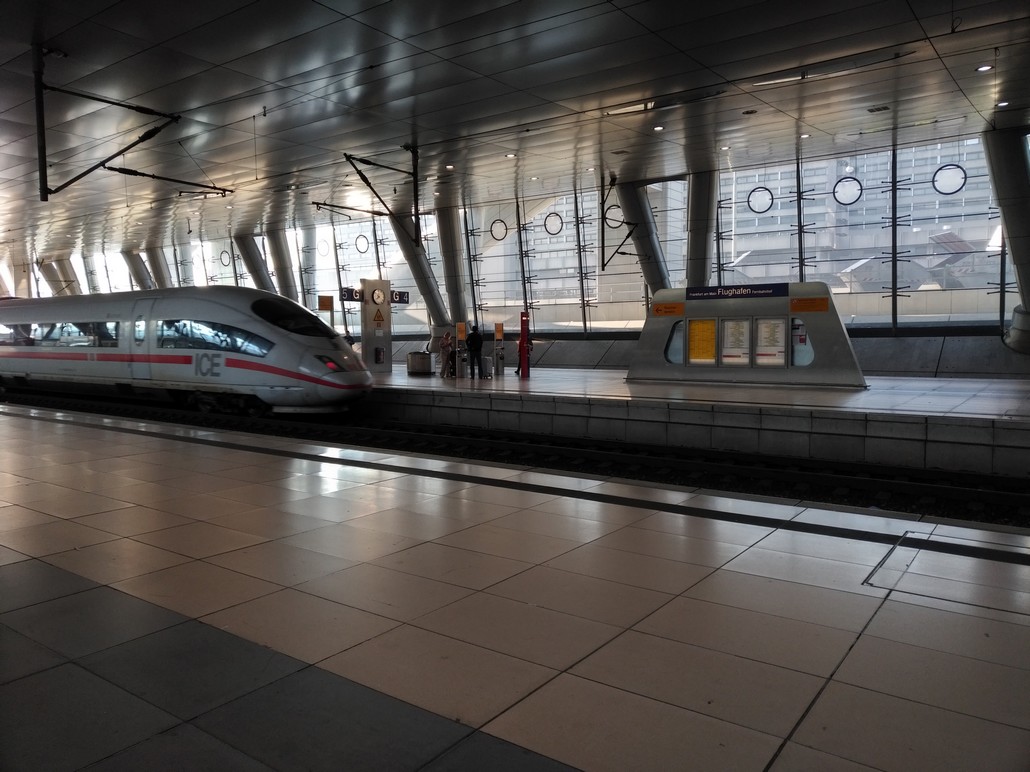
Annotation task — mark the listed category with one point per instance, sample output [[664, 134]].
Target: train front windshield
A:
[[292, 318]]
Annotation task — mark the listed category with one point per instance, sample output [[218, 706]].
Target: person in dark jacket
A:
[[474, 344]]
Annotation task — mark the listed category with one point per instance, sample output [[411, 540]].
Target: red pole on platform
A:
[[524, 344]]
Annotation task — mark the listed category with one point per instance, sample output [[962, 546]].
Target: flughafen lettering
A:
[[740, 291]]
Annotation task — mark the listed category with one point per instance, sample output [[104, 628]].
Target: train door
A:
[[139, 362]]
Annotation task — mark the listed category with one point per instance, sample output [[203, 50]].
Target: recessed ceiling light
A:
[[1002, 104], [449, 166], [228, 206], [659, 128], [805, 136], [509, 155], [534, 178], [590, 168], [985, 67], [725, 147]]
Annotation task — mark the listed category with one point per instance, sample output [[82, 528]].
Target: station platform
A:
[[950, 424], [183, 598]]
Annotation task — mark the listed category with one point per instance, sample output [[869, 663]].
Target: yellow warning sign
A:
[[667, 309], [379, 316]]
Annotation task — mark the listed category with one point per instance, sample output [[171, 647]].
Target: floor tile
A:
[[778, 641], [200, 506], [191, 668], [702, 552], [58, 536], [535, 634], [669, 576], [132, 520], [299, 625], [315, 720], [92, 718], [577, 529], [798, 758], [804, 602], [404, 522], [21, 656], [280, 563], [382, 591], [32, 581], [753, 694], [968, 635], [483, 751], [464, 568], [593, 726], [804, 569], [269, 523], [196, 588], [333, 510], [509, 497], [472, 512], [8, 556], [616, 514], [182, 747], [113, 561], [15, 516], [704, 528], [86, 622], [451, 678], [641, 493], [199, 540], [598, 599], [755, 506], [506, 543], [935, 678], [893, 734], [827, 547], [345, 541], [420, 484]]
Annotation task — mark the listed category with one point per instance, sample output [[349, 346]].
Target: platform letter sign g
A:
[[208, 365]]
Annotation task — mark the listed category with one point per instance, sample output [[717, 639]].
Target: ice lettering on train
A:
[[208, 365]]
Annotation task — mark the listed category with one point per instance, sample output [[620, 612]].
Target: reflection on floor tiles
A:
[[166, 602]]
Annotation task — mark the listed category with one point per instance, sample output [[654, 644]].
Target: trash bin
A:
[[420, 363]]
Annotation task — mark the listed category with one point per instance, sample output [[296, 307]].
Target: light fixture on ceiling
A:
[[659, 128], [1002, 104], [985, 68], [725, 147], [449, 167], [639, 107], [805, 136], [509, 155]]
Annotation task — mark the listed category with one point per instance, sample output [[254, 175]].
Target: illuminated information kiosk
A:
[[754, 333]]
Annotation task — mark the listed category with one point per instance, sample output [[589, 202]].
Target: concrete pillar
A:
[[283, 263], [308, 264], [1008, 158], [637, 212], [158, 262], [415, 255], [138, 269], [452, 246], [254, 261], [701, 202]]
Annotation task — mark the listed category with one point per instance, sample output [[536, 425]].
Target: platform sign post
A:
[[376, 329], [498, 348], [525, 344]]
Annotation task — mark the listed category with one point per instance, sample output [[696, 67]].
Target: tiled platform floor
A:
[[176, 599]]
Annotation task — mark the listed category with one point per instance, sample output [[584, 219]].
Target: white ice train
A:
[[222, 348]]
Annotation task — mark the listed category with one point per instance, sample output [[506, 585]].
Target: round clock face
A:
[[378, 297]]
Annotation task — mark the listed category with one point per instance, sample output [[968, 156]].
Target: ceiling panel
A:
[[273, 94]]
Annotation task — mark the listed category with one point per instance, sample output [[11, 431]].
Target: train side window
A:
[[292, 318], [182, 333], [139, 331], [674, 346]]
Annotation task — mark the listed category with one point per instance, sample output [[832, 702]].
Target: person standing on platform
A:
[[474, 344], [446, 355]]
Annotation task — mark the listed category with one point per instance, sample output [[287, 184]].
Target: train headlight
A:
[[331, 364]]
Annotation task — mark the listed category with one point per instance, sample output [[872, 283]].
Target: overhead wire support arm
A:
[[147, 135], [135, 173]]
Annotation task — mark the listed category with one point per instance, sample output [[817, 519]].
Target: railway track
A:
[[967, 497]]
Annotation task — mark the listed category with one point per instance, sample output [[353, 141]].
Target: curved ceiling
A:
[[268, 105]]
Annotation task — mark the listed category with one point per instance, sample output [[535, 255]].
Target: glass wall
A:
[[900, 237]]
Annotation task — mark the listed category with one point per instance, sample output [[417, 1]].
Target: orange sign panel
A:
[[667, 309], [809, 305]]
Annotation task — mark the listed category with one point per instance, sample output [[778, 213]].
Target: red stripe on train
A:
[[243, 364]]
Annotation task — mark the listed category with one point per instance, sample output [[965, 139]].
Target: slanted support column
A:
[[280, 250], [421, 271], [254, 261], [452, 245], [59, 275], [1008, 158], [138, 269], [158, 262], [638, 214], [701, 202]]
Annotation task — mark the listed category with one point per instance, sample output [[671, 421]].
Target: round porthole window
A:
[[760, 200], [613, 217], [949, 179], [553, 224], [498, 230], [847, 191], [361, 243]]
